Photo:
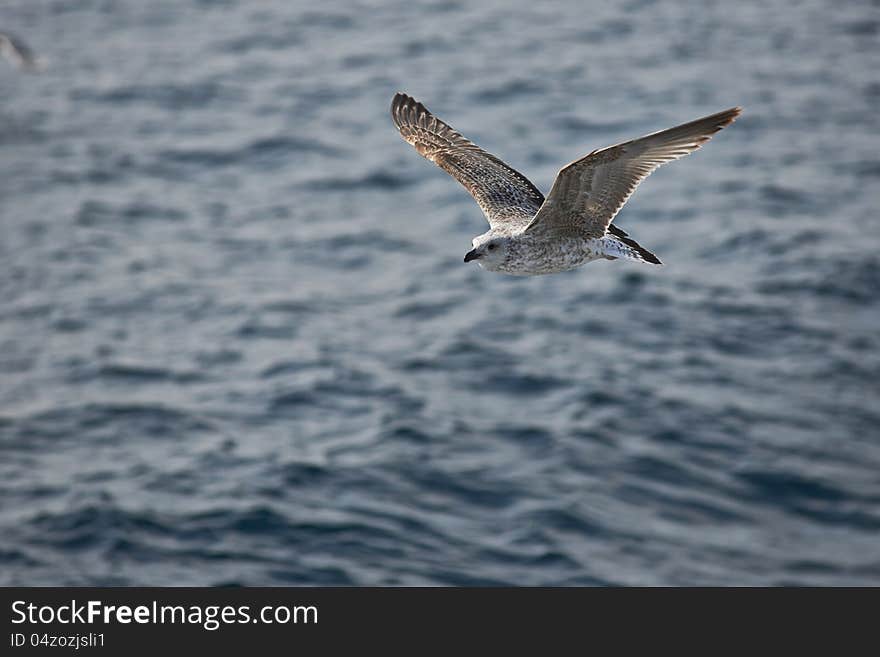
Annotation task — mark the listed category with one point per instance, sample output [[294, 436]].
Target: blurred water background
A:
[[238, 344]]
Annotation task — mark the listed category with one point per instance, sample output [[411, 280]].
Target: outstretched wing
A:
[[588, 193], [505, 196]]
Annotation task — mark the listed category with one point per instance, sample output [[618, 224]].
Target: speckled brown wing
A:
[[505, 196], [588, 193]]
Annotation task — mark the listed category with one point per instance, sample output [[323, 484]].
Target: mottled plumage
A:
[[530, 235], [507, 198]]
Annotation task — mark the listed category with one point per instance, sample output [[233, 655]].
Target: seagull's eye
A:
[[491, 247]]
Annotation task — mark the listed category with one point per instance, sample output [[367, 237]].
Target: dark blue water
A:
[[238, 343]]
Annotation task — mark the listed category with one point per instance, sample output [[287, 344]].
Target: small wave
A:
[[784, 201], [99, 213], [304, 474], [809, 497], [690, 510], [379, 180], [257, 327], [312, 576], [509, 90], [582, 125], [144, 374], [425, 46], [787, 487], [281, 40], [261, 153], [466, 354], [284, 368], [352, 390], [106, 420], [855, 280], [425, 310], [566, 520], [218, 357], [13, 558], [370, 239], [407, 431], [861, 28], [513, 383], [331, 20], [473, 488], [92, 526], [197, 95]]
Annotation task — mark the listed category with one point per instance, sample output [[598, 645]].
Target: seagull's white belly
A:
[[532, 257]]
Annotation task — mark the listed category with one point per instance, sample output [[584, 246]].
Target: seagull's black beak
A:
[[472, 255]]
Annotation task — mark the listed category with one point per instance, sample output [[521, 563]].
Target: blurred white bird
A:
[[17, 52]]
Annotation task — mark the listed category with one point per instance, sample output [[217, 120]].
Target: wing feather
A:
[[588, 193], [507, 198]]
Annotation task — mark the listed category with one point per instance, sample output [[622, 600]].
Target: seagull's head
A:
[[489, 252]]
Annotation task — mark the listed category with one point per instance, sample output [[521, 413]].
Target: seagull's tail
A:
[[621, 246]]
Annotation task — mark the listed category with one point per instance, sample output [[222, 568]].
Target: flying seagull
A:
[[530, 235], [17, 52]]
